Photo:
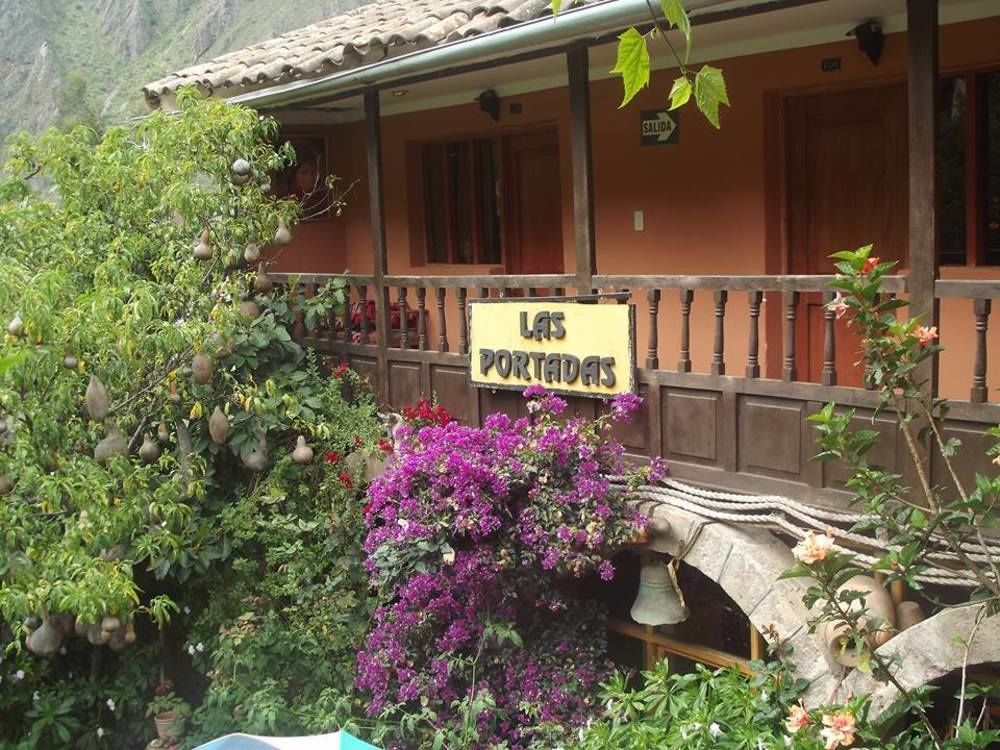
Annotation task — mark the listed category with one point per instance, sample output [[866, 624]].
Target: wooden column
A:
[[577, 61], [922, 84], [380, 263]]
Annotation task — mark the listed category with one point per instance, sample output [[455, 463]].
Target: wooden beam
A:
[[577, 61], [380, 263], [922, 84]]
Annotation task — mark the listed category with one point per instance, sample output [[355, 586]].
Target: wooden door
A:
[[533, 197], [846, 184]]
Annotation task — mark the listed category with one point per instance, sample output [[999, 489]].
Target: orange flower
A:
[[814, 548], [798, 718], [870, 264], [926, 335], [839, 729]]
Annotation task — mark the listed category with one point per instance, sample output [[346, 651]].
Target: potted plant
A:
[[170, 713]]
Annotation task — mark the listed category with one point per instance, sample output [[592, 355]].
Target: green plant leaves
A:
[[680, 92], [632, 64], [710, 93], [677, 16]]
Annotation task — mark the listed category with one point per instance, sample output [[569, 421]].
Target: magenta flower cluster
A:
[[475, 536]]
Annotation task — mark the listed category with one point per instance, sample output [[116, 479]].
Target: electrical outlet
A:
[[639, 220]]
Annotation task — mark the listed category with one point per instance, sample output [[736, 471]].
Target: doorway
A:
[[533, 196], [846, 186]]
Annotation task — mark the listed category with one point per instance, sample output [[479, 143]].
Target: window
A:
[[969, 169], [461, 184]]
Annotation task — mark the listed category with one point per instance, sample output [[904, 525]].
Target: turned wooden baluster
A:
[[463, 323], [363, 296], [684, 361], [421, 314], [981, 307], [753, 345], [652, 347], [404, 333], [560, 291], [439, 294], [532, 291], [829, 374], [791, 310], [719, 347]]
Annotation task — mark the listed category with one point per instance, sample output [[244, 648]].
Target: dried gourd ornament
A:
[[97, 399], [302, 454], [262, 283], [203, 250], [281, 235], [201, 368], [149, 452], [218, 426]]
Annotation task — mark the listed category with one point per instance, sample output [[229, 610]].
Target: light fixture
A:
[[870, 39]]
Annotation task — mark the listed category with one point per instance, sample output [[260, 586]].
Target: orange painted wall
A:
[[704, 199]]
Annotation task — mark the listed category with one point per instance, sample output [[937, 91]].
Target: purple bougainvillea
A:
[[475, 536]]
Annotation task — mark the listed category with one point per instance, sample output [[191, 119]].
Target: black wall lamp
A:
[[489, 102], [870, 39]]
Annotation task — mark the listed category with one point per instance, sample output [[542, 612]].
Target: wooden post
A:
[[922, 84], [577, 61], [376, 201]]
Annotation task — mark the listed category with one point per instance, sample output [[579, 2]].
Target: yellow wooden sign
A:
[[568, 347]]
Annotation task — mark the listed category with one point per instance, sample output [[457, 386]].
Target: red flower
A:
[[385, 445], [332, 457], [358, 442], [422, 413], [870, 264], [345, 479], [341, 369]]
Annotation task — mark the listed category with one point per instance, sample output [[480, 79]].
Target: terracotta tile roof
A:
[[353, 39]]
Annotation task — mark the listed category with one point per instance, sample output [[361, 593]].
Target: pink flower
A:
[[871, 264], [839, 729], [798, 718], [839, 306], [814, 548], [926, 335]]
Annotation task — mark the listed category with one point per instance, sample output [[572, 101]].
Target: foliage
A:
[[475, 537], [100, 283], [169, 702], [918, 525], [632, 63]]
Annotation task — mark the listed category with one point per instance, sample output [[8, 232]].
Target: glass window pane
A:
[[489, 201], [951, 171], [435, 227], [461, 200], [992, 167]]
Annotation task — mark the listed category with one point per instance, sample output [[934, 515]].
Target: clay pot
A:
[[262, 283], [882, 613], [908, 614], [218, 426], [201, 368], [149, 451], [281, 235], [302, 454], [169, 725], [203, 250], [97, 399]]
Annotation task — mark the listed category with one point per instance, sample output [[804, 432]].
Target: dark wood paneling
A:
[[510, 403], [690, 422], [886, 453], [971, 457], [634, 435], [367, 368], [404, 383], [450, 386], [770, 437]]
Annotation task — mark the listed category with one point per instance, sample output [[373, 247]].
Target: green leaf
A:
[[677, 16], [680, 92], [556, 4], [710, 92], [632, 64]]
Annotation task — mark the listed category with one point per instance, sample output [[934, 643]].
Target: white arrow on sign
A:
[[667, 128]]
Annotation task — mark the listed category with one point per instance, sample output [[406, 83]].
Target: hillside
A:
[[104, 50]]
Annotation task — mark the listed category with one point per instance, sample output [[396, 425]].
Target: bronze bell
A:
[[660, 600]]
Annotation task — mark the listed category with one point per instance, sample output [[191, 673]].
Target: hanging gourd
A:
[[256, 460], [97, 399], [45, 641], [252, 252], [6, 485], [218, 426], [149, 451], [16, 325], [302, 454], [113, 444], [281, 235], [162, 433], [262, 283], [201, 368], [249, 309], [70, 362], [203, 250], [240, 170]]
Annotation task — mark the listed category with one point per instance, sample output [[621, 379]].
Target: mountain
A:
[[61, 58]]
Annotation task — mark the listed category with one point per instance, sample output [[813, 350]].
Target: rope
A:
[[783, 514]]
